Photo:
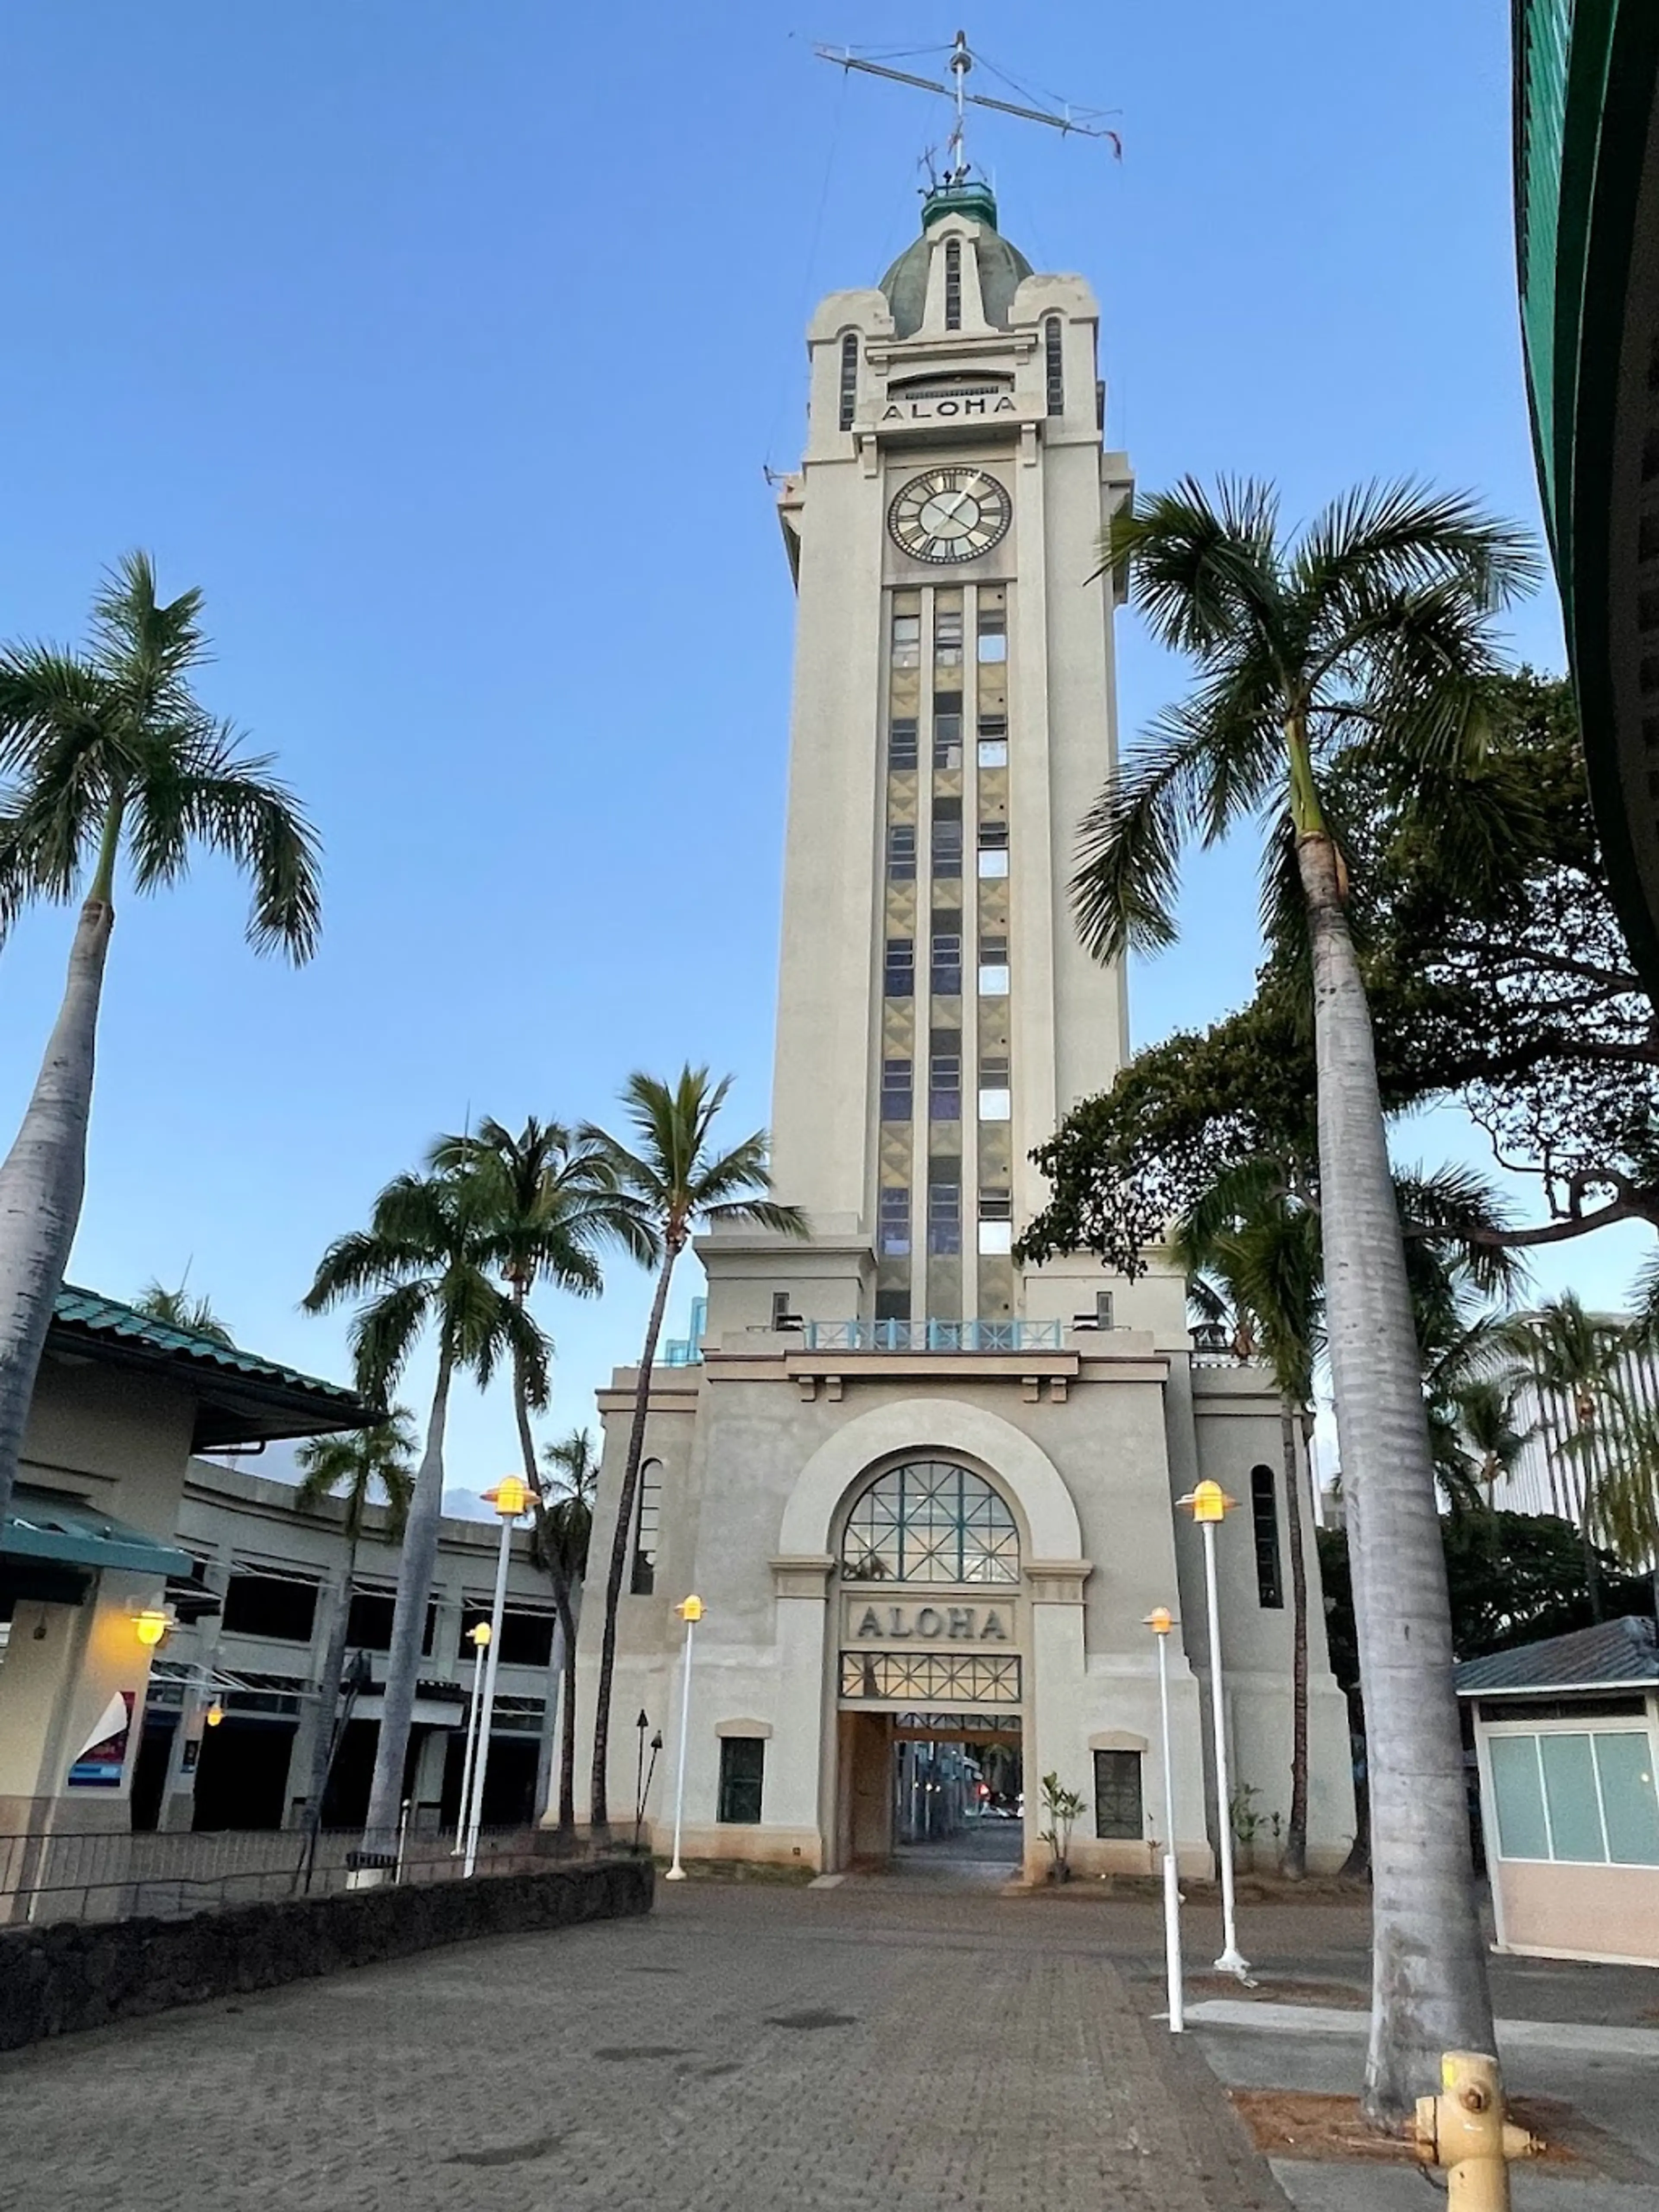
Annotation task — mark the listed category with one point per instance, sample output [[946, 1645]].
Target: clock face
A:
[[950, 514]]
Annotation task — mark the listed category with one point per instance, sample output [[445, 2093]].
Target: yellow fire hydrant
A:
[[1463, 2128]]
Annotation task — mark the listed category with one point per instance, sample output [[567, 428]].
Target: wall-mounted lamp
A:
[[150, 1625], [214, 1715]]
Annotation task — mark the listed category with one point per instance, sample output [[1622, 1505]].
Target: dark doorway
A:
[[150, 1771], [957, 1791], [242, 1779]]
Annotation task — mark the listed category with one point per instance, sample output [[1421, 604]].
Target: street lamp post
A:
[[1161, 1621], [690, 1612], [1210, 1505], [510, 1497], [479, 1637]]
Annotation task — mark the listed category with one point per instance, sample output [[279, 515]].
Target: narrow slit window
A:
[[944, 1218], [648, 1521], [993, 849], [893, 1223], [849, 379], [994, 967], [947, 963], [947, 837], [903, 742], [1264, 1520], [1054, 366], [944, 1076], [947, 729], [901, 852], [896, 1092], [995, 1098], [899, 978], [953, 284]]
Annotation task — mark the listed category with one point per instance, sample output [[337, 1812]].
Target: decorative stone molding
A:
[[802, 1574], [1118, 1740], [1057, 1582], [742, 1728]]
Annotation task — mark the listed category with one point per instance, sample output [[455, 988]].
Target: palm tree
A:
[[1370, 630], [357, 1464], [178, 1310], [427, 1260], [108, 754], [558, 1543], [553, 1203], [680, 1184], [1250, 1249]]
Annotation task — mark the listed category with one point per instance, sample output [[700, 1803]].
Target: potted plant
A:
[[1062, 1807]]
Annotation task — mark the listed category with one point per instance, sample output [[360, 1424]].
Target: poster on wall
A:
[[104, 1755]]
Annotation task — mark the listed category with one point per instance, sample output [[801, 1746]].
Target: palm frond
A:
[[1200, 567], [1402, 536], [1130, 841]]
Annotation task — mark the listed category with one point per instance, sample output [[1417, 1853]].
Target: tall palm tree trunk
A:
[[1429, 1974], [43, 1175], [403, 1664], [561, 1659], [600, 1810], [1295, 1861], [328, 1701]]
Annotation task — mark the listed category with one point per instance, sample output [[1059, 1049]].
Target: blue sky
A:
[[445, 346]]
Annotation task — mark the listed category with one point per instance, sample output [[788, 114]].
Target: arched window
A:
[[647, 1518], [930, 1521], [1054, 366], [1264, 1518], [953, 284], [849, 379]]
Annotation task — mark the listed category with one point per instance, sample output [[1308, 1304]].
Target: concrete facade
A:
[[954, 714]]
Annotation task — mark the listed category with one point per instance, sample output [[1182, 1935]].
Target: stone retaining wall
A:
[[57, 1980]]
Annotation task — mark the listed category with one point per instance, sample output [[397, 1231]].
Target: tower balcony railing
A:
[[933, 1336]]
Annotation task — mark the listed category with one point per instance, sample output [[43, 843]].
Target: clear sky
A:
[[444, 346]]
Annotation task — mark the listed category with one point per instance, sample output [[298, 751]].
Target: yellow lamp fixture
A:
[[214, 1715], [690, 1610], [1209, 1502], [510, 1497], [150, 1625], [1160, 1620], [479, 1635]]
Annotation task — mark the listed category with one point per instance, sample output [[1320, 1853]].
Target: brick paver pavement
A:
[[749, 2049]]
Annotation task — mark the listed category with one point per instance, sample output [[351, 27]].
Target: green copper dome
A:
[[1001, 267]]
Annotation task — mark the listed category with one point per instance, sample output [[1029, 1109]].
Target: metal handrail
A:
[[935, 1336]]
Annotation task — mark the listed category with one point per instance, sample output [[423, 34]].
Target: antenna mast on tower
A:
[[960, 61]]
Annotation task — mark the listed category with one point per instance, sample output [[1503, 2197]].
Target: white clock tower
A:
[[927, 1496]]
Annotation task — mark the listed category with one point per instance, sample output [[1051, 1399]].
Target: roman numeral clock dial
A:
[[949, 514]]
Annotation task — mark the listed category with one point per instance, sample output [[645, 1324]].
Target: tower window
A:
[[895, 1090], [648, 1521], [996, 1221], [947, 837], [893, 1224], [994, 967], [993, 849], [903, 742], [993, 741], [849, 379], [1264, 1518], [953, 284], [995, 1098], [901, 852], [944, 1076], [947, 729], [947, 963], [1053, 366], [945, 1214], [947, 636], [906, 641], [993, 633], [899, 981]]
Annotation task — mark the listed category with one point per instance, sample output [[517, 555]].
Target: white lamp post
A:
[[1210, 1505], [509, 1497], [478, 1637], [690, 1612], [1161, 1621]]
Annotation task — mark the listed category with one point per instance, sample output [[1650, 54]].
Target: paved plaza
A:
[[891, 2044]]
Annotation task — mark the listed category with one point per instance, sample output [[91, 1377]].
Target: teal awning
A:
[[50, 1525]]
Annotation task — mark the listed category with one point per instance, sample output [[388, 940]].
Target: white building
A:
[[927, 1493]]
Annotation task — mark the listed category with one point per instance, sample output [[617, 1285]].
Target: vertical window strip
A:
[[953, 284], [849, 379], [1054, 366]]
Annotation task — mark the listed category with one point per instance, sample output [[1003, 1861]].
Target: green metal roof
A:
[[50, 1525], [240, 1397], [1002, 267]]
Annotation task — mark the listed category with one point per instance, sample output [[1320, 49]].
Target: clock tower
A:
[[927, 1496], [953, 717]]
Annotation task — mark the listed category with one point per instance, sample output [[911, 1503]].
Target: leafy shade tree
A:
[[428, 1260], [552, 1205], [564, 1508], [1373, 630], [1251, 1252], [680, 1183], [106, 756], [179, 1311], [352, 1466]]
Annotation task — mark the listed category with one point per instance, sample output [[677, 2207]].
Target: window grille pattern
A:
[[943, 1678], [648, 1520], [849, 379], [953, 284], [743, 1769], [930, 1521], [1118, 1812], [1053, 365], [894, 1227], [1264, 1518]]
